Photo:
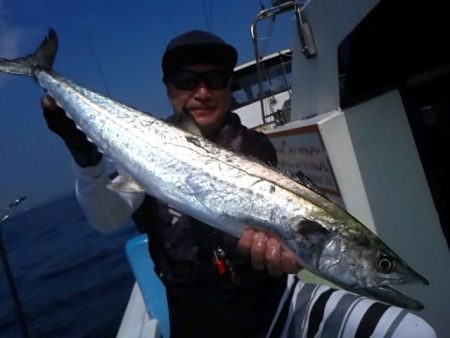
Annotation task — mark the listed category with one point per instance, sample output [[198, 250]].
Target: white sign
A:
[[302, 149]]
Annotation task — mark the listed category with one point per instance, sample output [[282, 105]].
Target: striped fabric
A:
[[321, 311]]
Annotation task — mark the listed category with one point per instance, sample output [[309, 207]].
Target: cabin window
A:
[[245, 87]]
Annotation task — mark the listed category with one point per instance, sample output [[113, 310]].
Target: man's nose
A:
[[202, 91]]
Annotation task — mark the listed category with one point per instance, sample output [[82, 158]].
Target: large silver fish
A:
[[224, 189]]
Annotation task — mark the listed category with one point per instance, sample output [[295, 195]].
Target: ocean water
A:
[[72, 281]]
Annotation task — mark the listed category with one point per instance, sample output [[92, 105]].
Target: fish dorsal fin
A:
[[185, 121], [125, 183], [308, 182]]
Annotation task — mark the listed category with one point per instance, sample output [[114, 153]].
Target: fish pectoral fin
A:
[[312, 232], [186, 122], [308, 228], [125, 183]]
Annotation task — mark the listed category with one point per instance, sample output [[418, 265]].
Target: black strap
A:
[[370, 320], [282, 316], [317, 312]]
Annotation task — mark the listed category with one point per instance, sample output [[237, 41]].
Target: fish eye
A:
[[385, 264]]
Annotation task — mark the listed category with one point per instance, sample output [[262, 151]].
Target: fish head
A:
[[364, 264]]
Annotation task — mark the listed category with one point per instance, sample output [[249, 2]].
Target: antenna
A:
[[207, 13], [169, 17], [99, 66], [8, 273]]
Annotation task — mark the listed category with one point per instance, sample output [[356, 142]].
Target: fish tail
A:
[[42, 58]]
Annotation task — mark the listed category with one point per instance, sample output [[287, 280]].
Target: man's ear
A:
[[169, 91]]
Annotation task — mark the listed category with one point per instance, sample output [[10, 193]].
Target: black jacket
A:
[[202, 302]]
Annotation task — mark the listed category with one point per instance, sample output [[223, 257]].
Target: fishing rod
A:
[[8, 273]]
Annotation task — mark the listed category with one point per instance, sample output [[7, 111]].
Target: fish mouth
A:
[[386, 293], [390, 295]]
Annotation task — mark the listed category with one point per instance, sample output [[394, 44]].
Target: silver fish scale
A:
[[214, 185], [182, 169], [117, 120], [219, 193]]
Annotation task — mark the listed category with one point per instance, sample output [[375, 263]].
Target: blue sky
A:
[[113, 47]]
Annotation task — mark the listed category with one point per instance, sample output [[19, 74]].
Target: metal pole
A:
[[278, 8], [8, 273]]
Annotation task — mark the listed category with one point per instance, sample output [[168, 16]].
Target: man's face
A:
[[208, 106]]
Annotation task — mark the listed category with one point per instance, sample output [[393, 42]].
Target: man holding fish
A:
[[216, 285]]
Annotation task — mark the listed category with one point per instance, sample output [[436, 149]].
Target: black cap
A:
[[195, 47]]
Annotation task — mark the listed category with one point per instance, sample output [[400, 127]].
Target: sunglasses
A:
[[188, 79]]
